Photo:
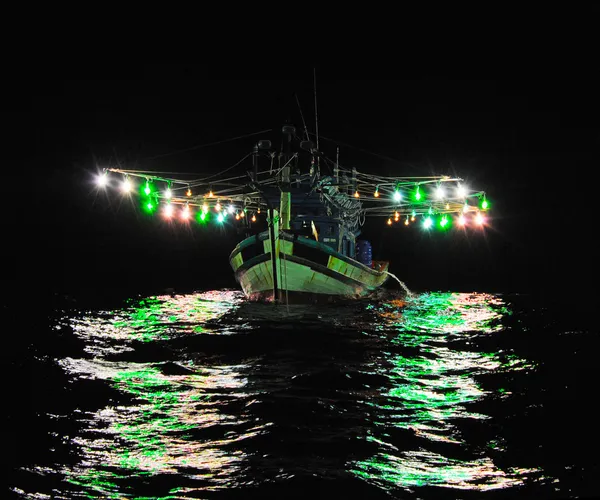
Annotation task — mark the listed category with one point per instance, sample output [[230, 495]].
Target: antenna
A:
[[302, 116], [316, 118]]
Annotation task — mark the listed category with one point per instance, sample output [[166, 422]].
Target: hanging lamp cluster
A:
[[435, 202], [160, 195]]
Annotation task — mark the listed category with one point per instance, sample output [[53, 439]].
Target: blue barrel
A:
[[364, 252]]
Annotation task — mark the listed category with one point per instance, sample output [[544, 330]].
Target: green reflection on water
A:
[[151, 319], [152, 435], [434, 313], [146, 321], [433, 388]]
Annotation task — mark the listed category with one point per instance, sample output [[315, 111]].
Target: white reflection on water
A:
[[152, 435], [431, 391], [424, 468], [152, 319], [170, 423]]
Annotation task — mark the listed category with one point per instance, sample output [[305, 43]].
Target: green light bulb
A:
[[445, 222], [202, 217], [149, 206]]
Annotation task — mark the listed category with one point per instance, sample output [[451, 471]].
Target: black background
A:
[[529, 139]]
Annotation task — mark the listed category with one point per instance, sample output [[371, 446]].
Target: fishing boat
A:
[[308, 248], [310, 251]]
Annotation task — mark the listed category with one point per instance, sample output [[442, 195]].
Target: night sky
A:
[[529, 140]]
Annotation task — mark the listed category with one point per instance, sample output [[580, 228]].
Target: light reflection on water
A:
[[157, 432], [152, 319], [198, 394], [432, 390]]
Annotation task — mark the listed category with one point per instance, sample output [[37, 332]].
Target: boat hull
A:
[[305, 270]]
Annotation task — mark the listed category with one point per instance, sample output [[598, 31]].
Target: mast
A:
[[284, 183], [336, 170], [272, 221], [316, 118], [255, 163]]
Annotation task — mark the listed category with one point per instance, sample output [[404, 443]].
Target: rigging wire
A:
[[223, 171], [205, 145], [364, 150]]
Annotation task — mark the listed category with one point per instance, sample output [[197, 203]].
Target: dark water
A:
[[448, 395]]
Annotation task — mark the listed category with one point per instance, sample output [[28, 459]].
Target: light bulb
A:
[[185, 212], [102, 180]]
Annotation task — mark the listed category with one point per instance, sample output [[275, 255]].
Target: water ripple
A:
[[202, 394]]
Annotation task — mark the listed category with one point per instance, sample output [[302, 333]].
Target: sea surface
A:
[[205, 395]]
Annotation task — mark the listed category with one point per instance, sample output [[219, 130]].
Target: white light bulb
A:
[[102, 180]]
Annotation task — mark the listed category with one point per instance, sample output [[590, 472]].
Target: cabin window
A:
[[331, 230]]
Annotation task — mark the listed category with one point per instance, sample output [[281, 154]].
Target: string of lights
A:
[[440, 201]]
